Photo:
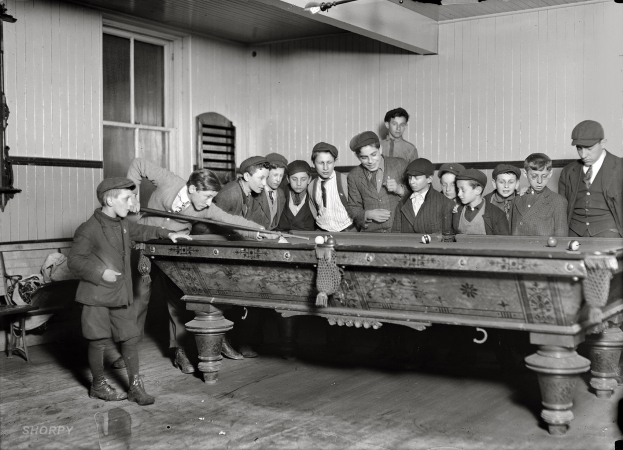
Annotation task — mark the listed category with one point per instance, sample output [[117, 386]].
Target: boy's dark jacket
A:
[[96, 248], [434, 216], [494, 218]]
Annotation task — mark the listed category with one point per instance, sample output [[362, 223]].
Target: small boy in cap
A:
[[375, 187], [100, 257], [506, 181], [328, 194], [447, 176], [540, 211], [394, 146], [423, 210], [269, 205], [297, 214], [593, 186], [475, 216]]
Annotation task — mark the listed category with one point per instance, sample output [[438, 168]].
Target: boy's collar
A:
[[244, 186]]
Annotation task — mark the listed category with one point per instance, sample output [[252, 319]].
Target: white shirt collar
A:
[[597, 165], [182, 201], [422, 194]]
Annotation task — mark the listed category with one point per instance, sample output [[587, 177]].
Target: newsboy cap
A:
[[297, 167], [587, 133], [252, 161], [505, 168], [324, 147], [363, 139], [473, 175], [454, 168], [114, 183], [420, 166], [277, 160]]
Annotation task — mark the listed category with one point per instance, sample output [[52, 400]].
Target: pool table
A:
[[560, 297]]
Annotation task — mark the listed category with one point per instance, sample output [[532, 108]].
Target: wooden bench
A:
[[23, 258]]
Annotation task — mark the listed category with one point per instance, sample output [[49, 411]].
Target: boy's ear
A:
[[387, 125], [246, 176], [524, 173], [192, 189]]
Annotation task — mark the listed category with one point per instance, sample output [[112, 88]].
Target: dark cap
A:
[[252, 161], [324, 147], [277, 160], [420, 166], [396, 112], [114, 183], [454, 168], [506, 168], [363, 139], [587, 133], [473, 175], [297, 167]]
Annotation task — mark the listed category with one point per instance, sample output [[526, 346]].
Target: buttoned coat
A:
[[494, 218], [260, 211], [612, 184], [434, 216], [546, 215]]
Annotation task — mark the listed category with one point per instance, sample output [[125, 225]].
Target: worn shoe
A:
[[228, 351], [248, 352], [137, 392], [181, 361], [119, 363], [102, 390]]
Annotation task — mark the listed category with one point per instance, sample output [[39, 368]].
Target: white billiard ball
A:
[[574, 245], [426, 239], [319, 240]]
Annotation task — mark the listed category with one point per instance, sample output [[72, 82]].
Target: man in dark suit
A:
[[593, 185], [375, 187], [269, 205], [297, 214]]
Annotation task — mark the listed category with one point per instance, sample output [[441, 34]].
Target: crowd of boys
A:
[[390, 191]]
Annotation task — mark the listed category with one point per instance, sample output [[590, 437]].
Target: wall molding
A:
[[55, 162]]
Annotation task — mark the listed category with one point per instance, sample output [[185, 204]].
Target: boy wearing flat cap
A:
[[375, 187], [540, 211], [328, 194], [593, 186], [475, 216], [297, 214], [447, 177], [269, 205], [100, 257], [394, 146], [506, 180], [423, 210]]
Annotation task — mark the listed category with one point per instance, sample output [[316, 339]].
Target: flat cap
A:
[[454, 168], [473, 175], [277, 160], [298, 166], [420, 166], [324, 147], [587, 133], [252, 161], [506, 168], [114, 183], [363, 139]]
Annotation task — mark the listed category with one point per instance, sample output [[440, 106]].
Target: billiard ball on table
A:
[[574, 246], [552, 242], [426, 239], [319, 240]]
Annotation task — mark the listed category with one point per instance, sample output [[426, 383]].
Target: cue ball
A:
[[426, 239], [319, 240], [574, 245], [552, 242]]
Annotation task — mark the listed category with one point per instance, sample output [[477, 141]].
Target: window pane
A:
[[118, 151], [116, 55], [152, 145], [149, 83]]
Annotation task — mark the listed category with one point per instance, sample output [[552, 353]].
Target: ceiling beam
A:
[[382, 20]]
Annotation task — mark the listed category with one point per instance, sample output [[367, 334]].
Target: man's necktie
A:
[[271, 195], [391, 148], [507, 208], [323, 190], [296, 198], [587, 177]]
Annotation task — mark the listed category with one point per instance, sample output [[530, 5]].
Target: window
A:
[[135, 107]]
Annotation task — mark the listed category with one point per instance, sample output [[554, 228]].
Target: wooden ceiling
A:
[[253, 22]]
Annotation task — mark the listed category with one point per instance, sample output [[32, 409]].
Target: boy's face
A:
[[324, 164], [370, 157], [448, 185], [120, 205], [396, 126], [200, 199], [299, 182], [274, 177], [419, 182], [590, 155], [467, 193], [257, 181], [505, 184], [538, 178]]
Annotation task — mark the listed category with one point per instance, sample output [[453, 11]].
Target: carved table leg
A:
[[604, 353], [558, 369], [209, 328], [287, 330]]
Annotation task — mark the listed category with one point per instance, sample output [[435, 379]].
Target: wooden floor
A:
[[319, 401]]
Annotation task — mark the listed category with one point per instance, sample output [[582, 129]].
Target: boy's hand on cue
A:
[[175, 236]]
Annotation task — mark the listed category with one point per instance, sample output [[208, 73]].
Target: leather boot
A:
[[228, 351], [137, 392], [102, 390], [119, 363], [181, 361], [248, 352]]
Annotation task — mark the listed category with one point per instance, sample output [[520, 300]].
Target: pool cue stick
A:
[[156, 212]]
